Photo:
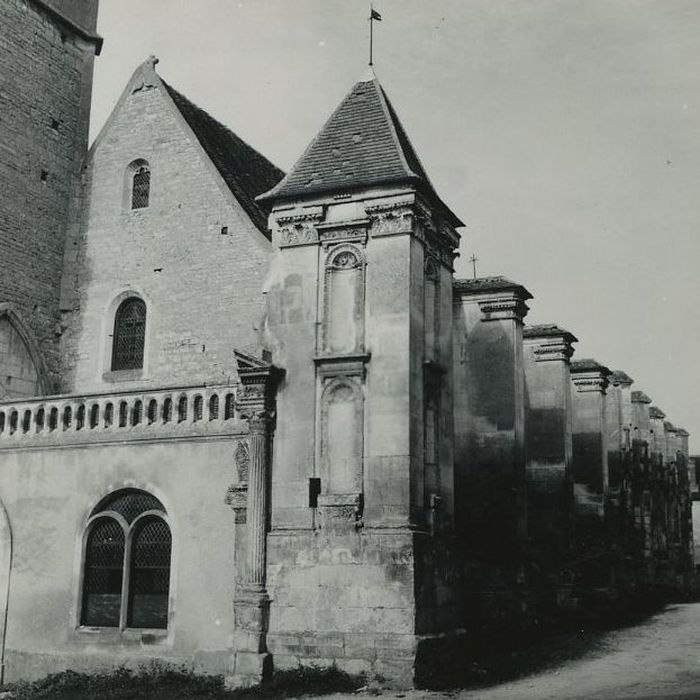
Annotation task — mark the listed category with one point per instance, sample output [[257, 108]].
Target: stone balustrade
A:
[[132, 415]]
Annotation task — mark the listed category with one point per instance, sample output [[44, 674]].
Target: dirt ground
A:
[[656, 659]]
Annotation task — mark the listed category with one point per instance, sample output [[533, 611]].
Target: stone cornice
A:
[[640, 397], [256, 396], [503, 307], [91, 38], [589, 376], [620, 378], [551, 349]]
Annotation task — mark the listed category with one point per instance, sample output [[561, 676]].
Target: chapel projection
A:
[[19, 376]]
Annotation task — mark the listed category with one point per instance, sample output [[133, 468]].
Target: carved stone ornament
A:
[[503, 309], [590, 382], [391, 219], [237, 498], [298, 229], [555, 349], [242, 459], [340, 511]]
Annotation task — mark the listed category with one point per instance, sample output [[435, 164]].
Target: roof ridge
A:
[[393, 122]]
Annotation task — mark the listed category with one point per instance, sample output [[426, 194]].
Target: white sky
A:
[[564, 133]]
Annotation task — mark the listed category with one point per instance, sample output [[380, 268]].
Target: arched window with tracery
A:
[[129, 336], [126, 571], [140, 181]]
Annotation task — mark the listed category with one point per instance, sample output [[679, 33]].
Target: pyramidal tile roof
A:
[[246, 172], [361, 145]]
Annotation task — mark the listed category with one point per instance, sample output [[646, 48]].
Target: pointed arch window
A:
[[129, 336], [126, 572]]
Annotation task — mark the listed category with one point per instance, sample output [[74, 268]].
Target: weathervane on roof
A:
[[374, 16]]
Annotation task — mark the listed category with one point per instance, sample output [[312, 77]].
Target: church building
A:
[[251, 420]]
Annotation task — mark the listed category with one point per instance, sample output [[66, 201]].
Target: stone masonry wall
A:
[[202, 283], [45, 86]]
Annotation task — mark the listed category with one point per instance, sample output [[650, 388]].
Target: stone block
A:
[[285, 662], [355, 667], [398, 673]]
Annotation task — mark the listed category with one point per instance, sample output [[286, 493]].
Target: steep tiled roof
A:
[[656, 412], [362, 144], [640, 397], [245, 171], [488, 284], [548, 331], [622, 378], [589, 365]]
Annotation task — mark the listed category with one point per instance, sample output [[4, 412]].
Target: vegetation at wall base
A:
[[162, 682]]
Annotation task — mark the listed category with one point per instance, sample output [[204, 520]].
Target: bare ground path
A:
[[656, 659]]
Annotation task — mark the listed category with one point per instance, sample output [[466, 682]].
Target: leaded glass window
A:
[[126, 575], [149, 582], [129, 334], [102, 583], [141, 188]]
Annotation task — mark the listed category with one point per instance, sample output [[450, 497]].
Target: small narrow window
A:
[[136, 412], [129, 334], [152, 411], [167, 410], [198, 407], [214, 407], [141, 188]]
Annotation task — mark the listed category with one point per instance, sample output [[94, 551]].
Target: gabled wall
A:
[[202, 287]]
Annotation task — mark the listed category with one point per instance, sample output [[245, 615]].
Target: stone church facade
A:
[[250, 419]]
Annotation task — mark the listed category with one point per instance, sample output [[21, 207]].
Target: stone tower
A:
[[46, 66], [360, 318]]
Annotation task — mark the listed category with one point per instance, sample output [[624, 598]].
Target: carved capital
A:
[[255, 397], [590, 382], [391, 219], [555, 349], [237, 498], [298, 228], [589, 376], [503, 309]]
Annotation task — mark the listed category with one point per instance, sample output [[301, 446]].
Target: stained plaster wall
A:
[[590, 456], [202, 288], [489, 428], [44, 112], [548, 431], [49, 494]]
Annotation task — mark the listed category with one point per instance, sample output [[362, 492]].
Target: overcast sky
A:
[[564, 133]]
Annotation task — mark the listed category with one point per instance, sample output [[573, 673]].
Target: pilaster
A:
[[489, 413], [251, 663], [590, 457], [548, 434]]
